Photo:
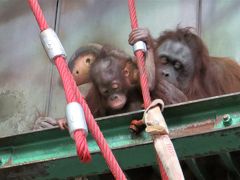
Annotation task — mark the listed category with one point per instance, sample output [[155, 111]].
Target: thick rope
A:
[[79, 135], [72, 94], [140, 58], [98, 136], [164, 169], [37, 11]]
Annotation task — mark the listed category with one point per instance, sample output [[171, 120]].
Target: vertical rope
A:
[[140, 58], [158, 140]]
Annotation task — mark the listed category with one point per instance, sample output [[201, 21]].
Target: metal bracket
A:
[[52, 44], [140, 45], [75, 118]]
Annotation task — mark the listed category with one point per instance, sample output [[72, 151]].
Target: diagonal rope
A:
[[73, 95]]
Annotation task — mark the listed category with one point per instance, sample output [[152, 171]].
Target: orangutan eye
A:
[[104, 91], [164, 59], [177, 65]]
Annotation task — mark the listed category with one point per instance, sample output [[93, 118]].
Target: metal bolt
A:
[[227, 120]]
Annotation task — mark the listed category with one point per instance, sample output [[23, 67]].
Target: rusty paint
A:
[[218, 119], [196, 128]]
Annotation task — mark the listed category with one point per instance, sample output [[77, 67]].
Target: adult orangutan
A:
[[180, 67]]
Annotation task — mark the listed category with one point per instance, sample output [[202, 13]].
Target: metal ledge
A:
[[51, 153]]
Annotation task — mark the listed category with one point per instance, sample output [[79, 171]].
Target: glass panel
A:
[[220, 27], [107, 22], [25, 68]]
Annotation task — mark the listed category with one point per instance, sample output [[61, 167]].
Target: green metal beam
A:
[[51, 153]]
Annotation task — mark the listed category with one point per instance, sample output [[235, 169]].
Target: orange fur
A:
[[213, 76]]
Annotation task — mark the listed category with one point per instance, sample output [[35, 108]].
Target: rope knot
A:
[[154, 119]]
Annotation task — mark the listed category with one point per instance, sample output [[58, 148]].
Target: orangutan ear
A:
[[126, 72]]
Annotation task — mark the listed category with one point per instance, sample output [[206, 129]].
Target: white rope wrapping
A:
[[140, 45], [52, 44], [154, 119], [157, 127], [75, 118]]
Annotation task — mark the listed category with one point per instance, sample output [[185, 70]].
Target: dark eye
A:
[[177, 65], [164, 59], [105, 91]]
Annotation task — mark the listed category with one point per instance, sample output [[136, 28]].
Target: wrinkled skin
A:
[[174, 63], [181, 58]]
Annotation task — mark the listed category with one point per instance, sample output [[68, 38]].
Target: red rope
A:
[[98, 136], [37, 11], [72, 94], [79, 135], [140, 58], [143, 75]]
